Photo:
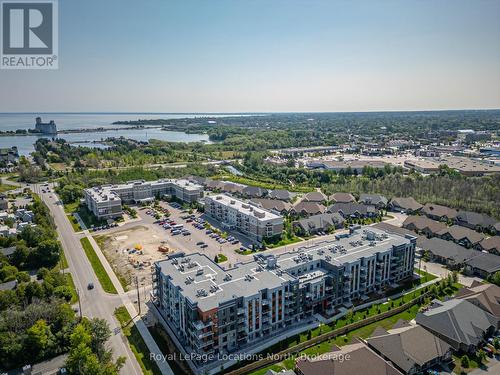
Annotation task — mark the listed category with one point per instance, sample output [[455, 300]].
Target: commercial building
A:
[[105, 201], [212, 310], [250, 219]]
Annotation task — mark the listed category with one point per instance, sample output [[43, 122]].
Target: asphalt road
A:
[[95, 303]]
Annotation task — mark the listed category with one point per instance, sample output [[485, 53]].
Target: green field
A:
[[136, 343], [99, 270], [71, 284], [6, 187]]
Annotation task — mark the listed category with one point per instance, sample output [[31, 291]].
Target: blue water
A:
[[14, 121]]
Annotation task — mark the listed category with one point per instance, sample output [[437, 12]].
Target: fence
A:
[[278, 357]]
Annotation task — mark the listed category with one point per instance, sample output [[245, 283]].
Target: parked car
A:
[[90, 286]]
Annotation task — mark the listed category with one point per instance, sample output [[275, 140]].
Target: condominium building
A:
[[248, 218], [106, 201], [214, 311]]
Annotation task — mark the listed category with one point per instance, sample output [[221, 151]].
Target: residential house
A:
[[8, 252], [482, 265], [6, 231], [407, 205], [231, 187], [353, 210], [304, 208], [362, 360], [484, 296], [314, 196], [447, 252], [460, 323], [475, 221], [282, 195], [341, 198], [410, 348], [376, 200], [24, 215], [440, 213], [319, 223], [424, 225], [491, 245], [282, 207], [253, 192], [461, 235]]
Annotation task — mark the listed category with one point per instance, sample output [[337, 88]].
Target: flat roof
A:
[[245, 207], [247, 279]]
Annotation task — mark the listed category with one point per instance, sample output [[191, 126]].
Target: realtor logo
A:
[[29, 34]]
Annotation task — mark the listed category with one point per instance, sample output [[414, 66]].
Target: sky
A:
[[266, 56]]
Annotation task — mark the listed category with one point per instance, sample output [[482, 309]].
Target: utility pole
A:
[[79, 302], [138, 294]]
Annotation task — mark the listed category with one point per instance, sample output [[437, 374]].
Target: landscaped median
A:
[[99, 270], [136, 342]]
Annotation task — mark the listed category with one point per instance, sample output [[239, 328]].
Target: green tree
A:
[[39, 339], [465, 361]]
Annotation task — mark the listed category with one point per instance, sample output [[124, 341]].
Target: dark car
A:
[[90, 286]]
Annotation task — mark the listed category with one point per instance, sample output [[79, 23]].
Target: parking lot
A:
[[133, 247]]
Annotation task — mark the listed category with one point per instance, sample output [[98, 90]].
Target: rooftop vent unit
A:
[[214, 288], [372, 243], [189, 280], [185, 260], [199, 271], [191, 264], [328, 257], [249, 277], [228, 277], [201, 293], [181, 268], [175, 261]]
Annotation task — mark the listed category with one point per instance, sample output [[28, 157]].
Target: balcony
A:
[[200, 325]]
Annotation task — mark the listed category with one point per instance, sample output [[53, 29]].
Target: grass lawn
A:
[[6, 187], [74, 223], [136, 343], [87, 217], [221, 258], [99, 270], [284, 242], [71, 284], [426, 276]]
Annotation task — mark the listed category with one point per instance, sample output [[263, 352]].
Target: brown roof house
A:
[[424, 225], [410, 348], [407, 205], [273, 205], [484, 296], [353, 359], [341, 198], [304, 208], [440, 213], [491, 245], [315, 196], [461, 235], [318, 223]]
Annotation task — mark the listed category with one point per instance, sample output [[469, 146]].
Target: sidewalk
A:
[[146, 335]]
